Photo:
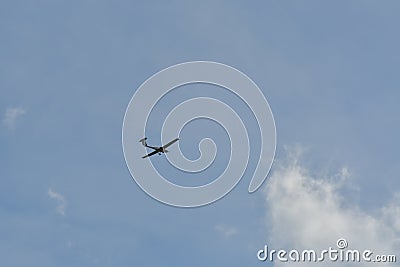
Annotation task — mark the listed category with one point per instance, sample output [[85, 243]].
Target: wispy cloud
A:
[[61, 203], [305, 212], [226, 230], [11, 115]]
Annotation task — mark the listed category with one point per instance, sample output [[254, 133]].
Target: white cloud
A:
[[11, 116], [226, 230], [305, 212], [61, 203]]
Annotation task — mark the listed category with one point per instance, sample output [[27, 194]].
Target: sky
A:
[[69, 68]]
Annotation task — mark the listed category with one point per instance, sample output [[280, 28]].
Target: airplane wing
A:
[[170, 143], [150, 154]]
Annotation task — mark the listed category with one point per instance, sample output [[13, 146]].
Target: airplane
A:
[[159, 150]]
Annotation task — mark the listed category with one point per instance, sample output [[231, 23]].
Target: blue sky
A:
[[68, 70]]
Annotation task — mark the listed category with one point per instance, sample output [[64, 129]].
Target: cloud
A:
[[226, 230], [61, 203], [11, 116], [306, 212]]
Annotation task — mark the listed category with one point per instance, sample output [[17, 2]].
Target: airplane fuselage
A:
[[160, 149]]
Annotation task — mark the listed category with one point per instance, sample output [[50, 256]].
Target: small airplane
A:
[[159, 150]]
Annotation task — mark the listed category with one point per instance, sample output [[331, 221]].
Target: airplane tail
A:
[[143, 141]]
